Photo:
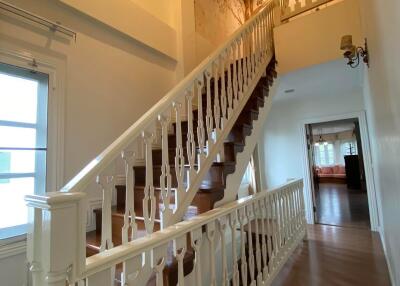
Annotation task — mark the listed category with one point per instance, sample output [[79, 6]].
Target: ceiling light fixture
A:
[[321, 140], [353, 53]]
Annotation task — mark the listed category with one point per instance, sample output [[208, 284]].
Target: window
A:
[[324, 154], [349, 148], [23, 144]]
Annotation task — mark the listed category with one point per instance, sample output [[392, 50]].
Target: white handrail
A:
[[290, 216]]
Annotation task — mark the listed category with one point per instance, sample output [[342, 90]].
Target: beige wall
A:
[[215, 21], [164, 10], [109, 81], [315, 38], [381, 22], [134, 21]]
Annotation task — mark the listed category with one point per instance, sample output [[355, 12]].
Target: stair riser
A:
[[239, 134], [229, 154], [216, 174]]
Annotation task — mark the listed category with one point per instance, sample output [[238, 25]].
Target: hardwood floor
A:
[[338, 205], [336, 256]]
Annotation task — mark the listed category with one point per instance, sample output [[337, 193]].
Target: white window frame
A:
[[55, 69], [41, 134]]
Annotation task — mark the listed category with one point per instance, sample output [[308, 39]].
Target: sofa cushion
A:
[[326, 170]]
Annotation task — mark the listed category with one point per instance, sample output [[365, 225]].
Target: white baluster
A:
[[297, 5], [107, 185], [210, 231], [149, 200], [270, 232], [200, 122], [179, 252], [245, 44], [243, 266], [179, 158], [222, 222], [249, 214], [291, 211], [240, 52], [209, 115], [196, 237], [236, 58], [258, 220], [129, 215], [235, 268], [227, 97], [231, 65], [252, 53], [217, 108], [158, 260], [264, 249], [165, 178], [275, 224], [190, 143], [224, 102], [281, 223]]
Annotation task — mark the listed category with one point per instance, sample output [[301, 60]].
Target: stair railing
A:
[[228, 77], [260, 232], [298, 7]]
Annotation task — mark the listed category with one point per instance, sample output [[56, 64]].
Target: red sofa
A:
[[331, 174]]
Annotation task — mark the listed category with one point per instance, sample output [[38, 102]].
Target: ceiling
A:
[[333, 127], [324, 79]]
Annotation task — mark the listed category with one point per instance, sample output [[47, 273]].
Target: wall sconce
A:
[[353, 53]]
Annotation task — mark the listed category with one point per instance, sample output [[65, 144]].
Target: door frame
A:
[[369, 175]]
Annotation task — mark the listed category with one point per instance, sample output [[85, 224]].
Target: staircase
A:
[[181, 158], [212, 186]]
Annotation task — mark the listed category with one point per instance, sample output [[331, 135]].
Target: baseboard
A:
[[12, 249], [390, 268], [91, 218]]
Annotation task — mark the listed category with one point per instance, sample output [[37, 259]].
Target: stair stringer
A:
[[188, 197], [234, 180]]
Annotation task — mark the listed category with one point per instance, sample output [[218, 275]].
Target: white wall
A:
[[13, 270], [381, 20], [109, 81], [281, 145], [315, 38]]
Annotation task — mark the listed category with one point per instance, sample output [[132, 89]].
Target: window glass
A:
[[324, 154], [18, 104], [13, 211], [23, 142], [17, 137]]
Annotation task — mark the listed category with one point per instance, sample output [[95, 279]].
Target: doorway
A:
[[339, 186]]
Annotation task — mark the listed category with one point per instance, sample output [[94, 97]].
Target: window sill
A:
[[12, 246]]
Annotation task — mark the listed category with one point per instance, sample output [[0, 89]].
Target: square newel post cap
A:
[[53, 199]]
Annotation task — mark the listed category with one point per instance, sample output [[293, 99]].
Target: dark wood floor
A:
[[336, 256], [338, 205]]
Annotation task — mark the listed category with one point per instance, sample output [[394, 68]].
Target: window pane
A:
[[13, 211], [12, 161], [18, 97], [18, 137]]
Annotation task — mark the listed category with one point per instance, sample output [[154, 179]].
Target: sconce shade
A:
[[350, 52], [347, 43]]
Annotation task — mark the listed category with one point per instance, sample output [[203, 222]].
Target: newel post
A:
[[56, 237]]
